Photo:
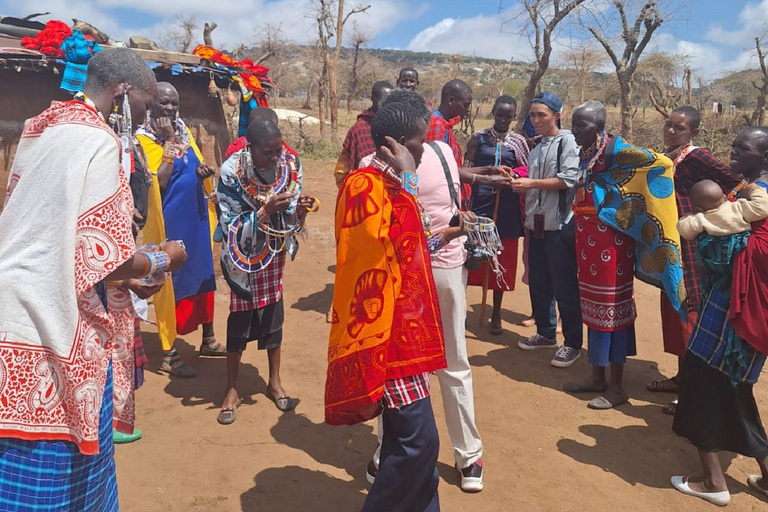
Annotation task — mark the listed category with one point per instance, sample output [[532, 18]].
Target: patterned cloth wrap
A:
[[635, 195]]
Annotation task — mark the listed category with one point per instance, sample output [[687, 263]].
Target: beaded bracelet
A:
[[162, 262], [147, 265], [262, 215]]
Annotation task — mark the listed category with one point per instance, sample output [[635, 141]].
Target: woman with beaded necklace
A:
[[511, 150], [180, 209], [261, 211]]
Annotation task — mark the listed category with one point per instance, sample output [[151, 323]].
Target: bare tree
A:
[[180, 36], [584, 60], [274, 48], [545, 16], [659, 73], [331, 19], [359, 40], [207, 29], [635, 37], [501, 72], [759, 112]]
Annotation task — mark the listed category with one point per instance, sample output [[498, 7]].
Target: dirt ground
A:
[[544, 450]]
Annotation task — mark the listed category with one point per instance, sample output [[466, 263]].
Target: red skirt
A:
[[508, 260], [194, 311], [674, 329]]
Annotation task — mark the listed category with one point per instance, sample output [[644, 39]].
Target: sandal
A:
[[662, 386], [174, 365], [212, 348], [122, 438], [284, 402], [670, 409], [601, 403], [227, 415]]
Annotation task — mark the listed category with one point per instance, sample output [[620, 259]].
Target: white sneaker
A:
[[472, 477]]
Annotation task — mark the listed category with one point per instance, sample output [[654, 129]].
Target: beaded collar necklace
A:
[[589, 157], [252, 187], [80, 96]]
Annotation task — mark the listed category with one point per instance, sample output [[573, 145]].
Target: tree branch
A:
[[607, 47]]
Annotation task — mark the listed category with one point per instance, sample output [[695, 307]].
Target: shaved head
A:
[[263, 113], [455, 88], [166, 88]]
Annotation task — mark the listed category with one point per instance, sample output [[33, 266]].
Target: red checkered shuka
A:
[[401, 392], [359, 143], [266, 286]]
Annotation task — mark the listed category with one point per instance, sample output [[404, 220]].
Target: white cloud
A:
[[753, 20], [238, 20]]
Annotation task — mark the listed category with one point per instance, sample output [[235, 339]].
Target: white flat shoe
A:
[[721, 498], [752, 481]]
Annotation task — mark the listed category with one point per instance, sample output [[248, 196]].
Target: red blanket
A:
[[748, 313]]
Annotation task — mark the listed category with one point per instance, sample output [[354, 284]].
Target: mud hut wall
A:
[[23, 95]]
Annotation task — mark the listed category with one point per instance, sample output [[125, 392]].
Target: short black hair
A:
[[455, 88], [692, 114], [263, 113], [407, 70], [262, 130], [412, 98], [379, 86], [114, 65], [396, 120], [504, 100]]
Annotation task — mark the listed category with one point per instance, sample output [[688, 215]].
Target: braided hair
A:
[[411, 98], [396, 120]]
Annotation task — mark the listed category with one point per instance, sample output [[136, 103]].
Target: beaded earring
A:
[[127, 118]]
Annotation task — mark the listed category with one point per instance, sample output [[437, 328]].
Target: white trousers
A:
[[456, 379]]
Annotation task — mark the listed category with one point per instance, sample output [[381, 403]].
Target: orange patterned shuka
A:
[[386, 317]]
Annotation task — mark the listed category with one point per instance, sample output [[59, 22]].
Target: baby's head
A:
[[706, 195]]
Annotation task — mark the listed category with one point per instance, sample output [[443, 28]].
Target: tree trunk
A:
[[207, 29], [321, 89], [333, 98], [626, 108], [528, 94], [759, 113]]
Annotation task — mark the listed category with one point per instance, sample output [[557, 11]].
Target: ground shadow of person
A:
[[640, 454], [345, 447], [294, 488], [479, 330], [208, 387], [319, 302], [534, 367]]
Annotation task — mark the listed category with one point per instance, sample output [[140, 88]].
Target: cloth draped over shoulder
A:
[[386, 321], [65, 227], [635, 195], [748, 314]]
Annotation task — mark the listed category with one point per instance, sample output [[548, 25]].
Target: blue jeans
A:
[[407, 478], [552, 276]]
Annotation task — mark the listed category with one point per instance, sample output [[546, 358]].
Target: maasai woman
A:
[[498, 145], [606, 261], [261, 210], [181, 186], [727, 350], [692, 164], [67, 329]]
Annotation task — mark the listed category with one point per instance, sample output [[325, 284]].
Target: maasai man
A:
[[692, 164], [608, 250], [261, 210], [358, 142], [386, 334], [180, 191], [503, 205], [728, 345], [66, 262], [408, 79]]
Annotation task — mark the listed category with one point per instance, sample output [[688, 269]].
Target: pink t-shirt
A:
[[436, 200]]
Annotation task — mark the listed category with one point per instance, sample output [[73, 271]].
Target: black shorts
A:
[[263, 324]]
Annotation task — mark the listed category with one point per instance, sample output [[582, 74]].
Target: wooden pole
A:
[[487, 273]]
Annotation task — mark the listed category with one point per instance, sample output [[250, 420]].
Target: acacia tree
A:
[[762, 88], [330, 25], [359, 40], [584, 60], [180, 36], [635, 37], [545, 16]]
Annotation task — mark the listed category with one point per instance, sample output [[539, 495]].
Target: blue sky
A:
[[715, 35]]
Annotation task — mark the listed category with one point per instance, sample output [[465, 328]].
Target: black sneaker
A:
[[472, 477], [370, 472]]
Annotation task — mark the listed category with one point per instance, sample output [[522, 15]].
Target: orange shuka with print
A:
[[386, 317]]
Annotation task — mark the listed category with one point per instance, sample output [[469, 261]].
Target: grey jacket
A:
[[556, 205]]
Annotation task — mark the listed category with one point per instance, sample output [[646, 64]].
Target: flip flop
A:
[[227, 415], [285, 403], [720, 499], [661, 386], [582, 387], [601, 403], [752, 481], [122, 438], [178, 369]]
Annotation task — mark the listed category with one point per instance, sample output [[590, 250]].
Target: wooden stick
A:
[[487, 274]]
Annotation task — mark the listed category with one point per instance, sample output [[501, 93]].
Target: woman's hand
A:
[[205, 171], [141, 290], [165, 128], [176, 253], [397, 156], [278, 203]]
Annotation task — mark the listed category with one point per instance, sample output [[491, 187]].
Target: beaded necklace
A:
[[737, 190], [80, 96], [589, 157], [679, 154], [252, 187], [182, 143]]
